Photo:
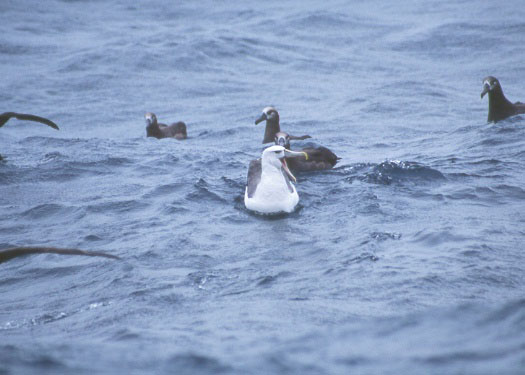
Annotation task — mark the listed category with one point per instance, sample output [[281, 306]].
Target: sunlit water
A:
[[408, 257]]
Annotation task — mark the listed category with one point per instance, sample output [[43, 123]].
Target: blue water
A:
[[408, 257]]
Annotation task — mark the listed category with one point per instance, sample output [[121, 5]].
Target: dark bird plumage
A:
[[6, 116], [154, 129], [319, 158], [254, 176], [499, 106], [15, 252], [271, 116]]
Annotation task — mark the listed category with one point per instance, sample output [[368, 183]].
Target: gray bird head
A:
[[490, 84], [150, 118], [268, 114], [282, 139], [276, 156]]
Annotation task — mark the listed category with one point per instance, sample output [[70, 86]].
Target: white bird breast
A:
[[272, 194]]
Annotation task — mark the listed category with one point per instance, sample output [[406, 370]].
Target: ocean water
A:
[[408, 257]]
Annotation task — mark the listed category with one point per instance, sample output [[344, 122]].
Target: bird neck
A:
[[272, 128], [499, 105], [268, 169], [153, 130], [274, 181]]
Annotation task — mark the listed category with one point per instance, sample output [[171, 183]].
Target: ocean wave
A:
[[383, 236], [165, 189], [7, 48], [448, 39], [434, 238], [114, 207], [195, 363], [49, 210], [267, 280], [391, 172], [202, 191]]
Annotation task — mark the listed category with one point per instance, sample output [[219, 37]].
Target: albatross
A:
[[269, 189], [154, 129], [499, 106], [319, 158], [15, 252], [271, 116], [6, 116]]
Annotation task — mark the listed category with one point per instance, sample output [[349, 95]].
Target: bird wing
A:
[[287, 180], [4, 117], [301, 138], [319, 158], [16, 252], [254, 176], [321, 154], [178, 130]]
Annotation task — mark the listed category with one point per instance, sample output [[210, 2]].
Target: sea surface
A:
[[407, 258]]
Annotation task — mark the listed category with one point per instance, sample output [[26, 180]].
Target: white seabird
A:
[[268, 189]]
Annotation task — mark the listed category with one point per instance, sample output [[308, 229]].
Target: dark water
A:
[[407, 258]]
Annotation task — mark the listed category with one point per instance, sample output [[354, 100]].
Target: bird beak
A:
[[486, 89], [289, 154], [261, 118], [292, 154], [285, 167]]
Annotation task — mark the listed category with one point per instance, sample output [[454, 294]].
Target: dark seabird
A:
[[499, 106], [15, 252], [319, 158], [271, 116], [4, 117], [268, 186], [154, 129]]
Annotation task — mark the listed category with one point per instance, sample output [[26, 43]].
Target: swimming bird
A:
[[499, 106], [269, 189], [6, 116], [15, 252], [154, 129], [319, 158], [271, 116]]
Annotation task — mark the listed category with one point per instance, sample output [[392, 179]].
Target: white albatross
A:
[[269, 189]]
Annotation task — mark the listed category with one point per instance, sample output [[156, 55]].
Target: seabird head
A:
[[268, 114], [150, 118], [489, 85], [276, 156], [282, 139]]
